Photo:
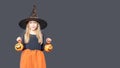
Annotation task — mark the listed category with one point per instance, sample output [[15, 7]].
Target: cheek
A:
[[30, 25], [35, 25]]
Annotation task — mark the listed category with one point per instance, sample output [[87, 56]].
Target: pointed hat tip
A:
[[34, 12]]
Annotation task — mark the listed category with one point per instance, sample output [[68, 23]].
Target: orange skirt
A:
[[32, 59]]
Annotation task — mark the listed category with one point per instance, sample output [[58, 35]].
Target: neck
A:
[[32, 32]]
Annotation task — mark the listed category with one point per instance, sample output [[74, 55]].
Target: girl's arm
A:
[[42, 45], [21, 37]]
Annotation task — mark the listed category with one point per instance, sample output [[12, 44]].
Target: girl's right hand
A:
[[19, 39]]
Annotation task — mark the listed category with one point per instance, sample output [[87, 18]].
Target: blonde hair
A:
[[38, 34]]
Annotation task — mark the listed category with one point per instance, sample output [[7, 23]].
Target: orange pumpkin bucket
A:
[[48, 47], [19, 46]]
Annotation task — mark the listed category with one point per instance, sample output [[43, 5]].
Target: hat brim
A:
[[23, 23]]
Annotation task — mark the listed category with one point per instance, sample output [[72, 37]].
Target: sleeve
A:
[[22, 36], [42, 45], [23, 39]]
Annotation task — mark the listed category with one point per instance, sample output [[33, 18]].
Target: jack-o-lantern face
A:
[[19, 47], [48, 47]]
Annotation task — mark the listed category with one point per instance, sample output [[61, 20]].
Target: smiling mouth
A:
[[33, 27]]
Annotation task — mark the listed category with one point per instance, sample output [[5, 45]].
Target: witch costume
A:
[[32, 55]]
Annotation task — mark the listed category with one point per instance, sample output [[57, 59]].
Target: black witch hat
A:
[[33, 17]]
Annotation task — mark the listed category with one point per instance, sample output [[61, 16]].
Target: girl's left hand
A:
[[48, 40]]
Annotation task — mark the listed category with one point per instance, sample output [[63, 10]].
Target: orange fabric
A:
[[32, 59]]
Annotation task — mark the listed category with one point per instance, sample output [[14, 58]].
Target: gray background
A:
[[85, 33]]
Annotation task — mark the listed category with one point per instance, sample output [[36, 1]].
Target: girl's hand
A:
[[48, 40], [19, 39]]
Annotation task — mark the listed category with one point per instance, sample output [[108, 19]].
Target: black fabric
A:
[[23, 23], [33, 43]]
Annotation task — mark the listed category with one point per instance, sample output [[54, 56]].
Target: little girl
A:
[[32, 55]]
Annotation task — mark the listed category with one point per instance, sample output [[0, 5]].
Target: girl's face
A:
[[33, 25]]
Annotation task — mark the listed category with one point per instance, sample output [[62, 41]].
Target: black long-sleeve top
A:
[[33, 43]]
